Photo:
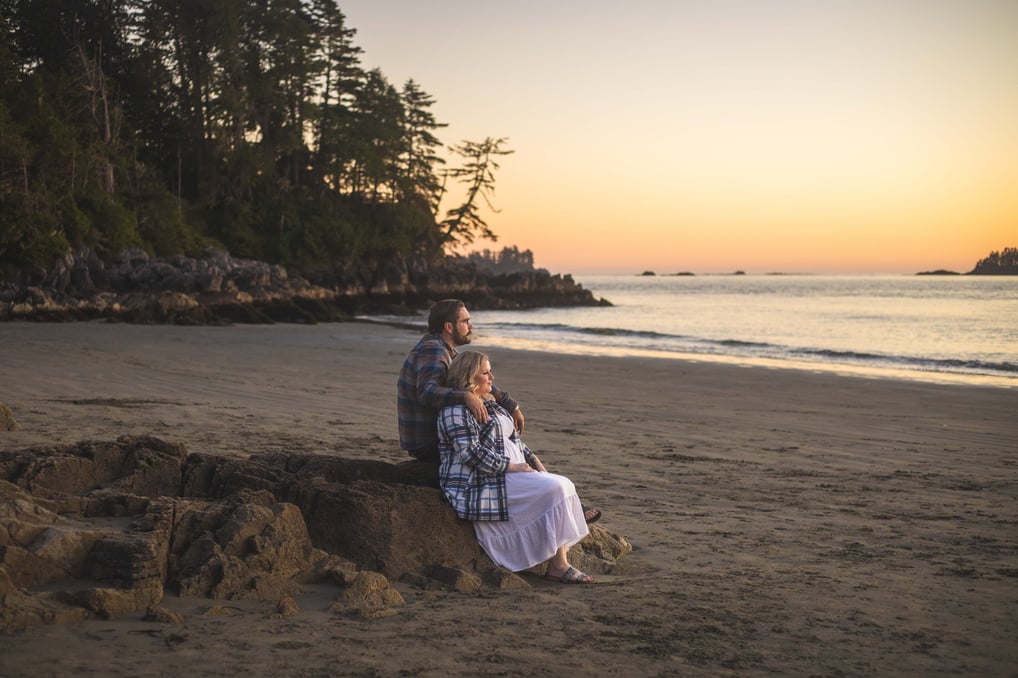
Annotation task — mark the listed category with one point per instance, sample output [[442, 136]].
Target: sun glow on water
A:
[[961, 330]]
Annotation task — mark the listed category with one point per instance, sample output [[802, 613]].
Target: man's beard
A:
[[460, 339]]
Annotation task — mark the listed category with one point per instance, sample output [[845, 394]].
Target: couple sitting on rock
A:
[[522, 515]]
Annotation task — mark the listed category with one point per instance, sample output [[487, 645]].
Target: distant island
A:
[[681, 273], [1004, 262]]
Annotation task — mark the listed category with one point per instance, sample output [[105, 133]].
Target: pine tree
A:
[[420, 160], [464, 223]]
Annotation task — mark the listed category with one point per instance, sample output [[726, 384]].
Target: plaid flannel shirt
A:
[[421, 393], [474, 462]]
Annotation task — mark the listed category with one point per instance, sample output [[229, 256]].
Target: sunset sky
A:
[[851, 136]]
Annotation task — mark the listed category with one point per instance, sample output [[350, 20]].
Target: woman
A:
[[522, 514]]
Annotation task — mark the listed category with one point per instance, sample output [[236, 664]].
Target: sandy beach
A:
[[784, 521]]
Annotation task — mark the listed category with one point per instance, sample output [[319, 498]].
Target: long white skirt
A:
[[544, 515]]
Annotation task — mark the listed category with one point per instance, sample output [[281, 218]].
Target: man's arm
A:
[[432, 368], [432, 364]]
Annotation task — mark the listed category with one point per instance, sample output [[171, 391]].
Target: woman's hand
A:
[[521, 468], [476, 407]]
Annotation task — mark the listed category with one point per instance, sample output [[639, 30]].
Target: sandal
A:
[[571, 576], [591, 515]]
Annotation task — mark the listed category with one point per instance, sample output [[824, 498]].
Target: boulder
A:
[[287, 607], [392, 529], [249, 546], [108, 528], [143, 466], [456, 579], [162, 615], [369, 596]]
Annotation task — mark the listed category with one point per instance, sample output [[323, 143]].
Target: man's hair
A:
[[462, 370], [442, 312]]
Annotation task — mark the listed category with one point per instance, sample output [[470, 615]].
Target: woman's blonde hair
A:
[[462, 370]]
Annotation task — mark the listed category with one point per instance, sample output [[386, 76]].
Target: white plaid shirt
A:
[[474, 462]]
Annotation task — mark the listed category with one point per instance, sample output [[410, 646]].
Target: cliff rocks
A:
[[218, 288], [106, 528]]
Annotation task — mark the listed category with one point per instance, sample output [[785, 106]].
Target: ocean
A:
[[958, 329]]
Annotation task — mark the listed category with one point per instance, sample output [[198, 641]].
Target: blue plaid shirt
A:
[[474, 462], [421, 392]]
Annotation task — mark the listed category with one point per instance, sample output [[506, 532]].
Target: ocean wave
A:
[[915, 362], [560, 327], [951, 339], [567, 336]]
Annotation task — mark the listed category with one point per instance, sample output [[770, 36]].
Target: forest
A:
[[249, 125], [1004, 262]]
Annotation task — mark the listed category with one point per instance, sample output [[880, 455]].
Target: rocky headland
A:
[[217, 288]]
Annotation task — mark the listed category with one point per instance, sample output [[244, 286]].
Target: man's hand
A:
[[518, 419], [522, 467], [476, 407], [539, 465]]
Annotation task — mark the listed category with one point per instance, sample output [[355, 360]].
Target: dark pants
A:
[[428, 454]]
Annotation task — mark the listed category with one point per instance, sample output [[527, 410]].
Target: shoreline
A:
[[783, 520], [857, 371], [860, 372]]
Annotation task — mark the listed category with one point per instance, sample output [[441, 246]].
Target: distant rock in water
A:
[[99, 529], [218, 288], [940, 271], [680, 273]]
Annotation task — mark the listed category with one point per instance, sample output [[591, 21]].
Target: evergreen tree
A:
[[419, 180], [340, 80], [464, 223], [380, 143], [250, 124], [1004, 262]]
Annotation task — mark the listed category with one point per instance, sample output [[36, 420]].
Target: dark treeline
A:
[[1004, 262], [247, 124], [508, 260]]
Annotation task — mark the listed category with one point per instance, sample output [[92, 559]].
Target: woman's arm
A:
[[475, 445]]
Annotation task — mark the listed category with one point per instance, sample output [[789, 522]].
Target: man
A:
[[421, 389]]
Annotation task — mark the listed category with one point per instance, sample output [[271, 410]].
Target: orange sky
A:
[[846, 136]]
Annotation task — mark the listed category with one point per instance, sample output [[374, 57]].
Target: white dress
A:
[[544, 515]]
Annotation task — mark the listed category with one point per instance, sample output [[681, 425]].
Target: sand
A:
[[785, 521]]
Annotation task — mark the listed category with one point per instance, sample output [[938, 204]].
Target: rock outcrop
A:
[[109, 528], [7, 420], [218, 288]]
